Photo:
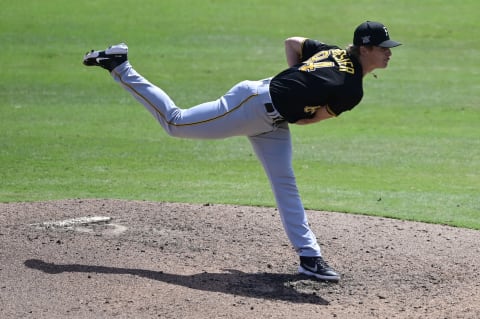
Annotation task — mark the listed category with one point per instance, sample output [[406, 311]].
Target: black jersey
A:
[[327, 77]]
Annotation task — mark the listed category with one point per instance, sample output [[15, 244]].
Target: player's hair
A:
[[353, 50]]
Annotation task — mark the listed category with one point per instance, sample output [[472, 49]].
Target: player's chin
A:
[[383, 65]]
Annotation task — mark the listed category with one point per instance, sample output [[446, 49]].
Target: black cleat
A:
[[317, 267], [108, 59]]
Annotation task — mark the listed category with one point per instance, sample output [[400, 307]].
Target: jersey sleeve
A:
[[310, 47], [342, 102]]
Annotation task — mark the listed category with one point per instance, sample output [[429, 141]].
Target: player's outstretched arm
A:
[[320, 115], [293, 50]]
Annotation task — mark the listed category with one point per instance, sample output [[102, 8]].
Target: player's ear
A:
[[364, 49]]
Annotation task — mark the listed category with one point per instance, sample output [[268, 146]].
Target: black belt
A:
[[273, 113], [269, 107]]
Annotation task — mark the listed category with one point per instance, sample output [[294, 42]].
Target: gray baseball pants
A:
[[245, 110]]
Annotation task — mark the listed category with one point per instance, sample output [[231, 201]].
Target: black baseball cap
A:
[[373, 33]]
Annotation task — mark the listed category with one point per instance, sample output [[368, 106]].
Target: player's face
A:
[[379, 57], [374, 57]]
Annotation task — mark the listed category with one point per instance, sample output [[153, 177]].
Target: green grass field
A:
[[410, 150]]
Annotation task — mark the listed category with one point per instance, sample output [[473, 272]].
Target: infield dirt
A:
[[162, 260]]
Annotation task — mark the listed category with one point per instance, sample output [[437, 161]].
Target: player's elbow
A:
[[293, 50], [295, 40], [294, 43]]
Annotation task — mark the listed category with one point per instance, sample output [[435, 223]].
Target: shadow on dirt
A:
[[257, 285]]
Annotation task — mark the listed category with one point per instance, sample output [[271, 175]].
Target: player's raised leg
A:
[[240, 111]]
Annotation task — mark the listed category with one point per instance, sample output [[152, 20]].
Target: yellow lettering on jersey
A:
[[344, 62], [311, 109], [322, 55], [317, 61], [317, 65]]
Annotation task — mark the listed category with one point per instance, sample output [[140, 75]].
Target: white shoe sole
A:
[[120, 48]]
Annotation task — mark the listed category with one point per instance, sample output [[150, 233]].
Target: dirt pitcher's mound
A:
[[124, 259]]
